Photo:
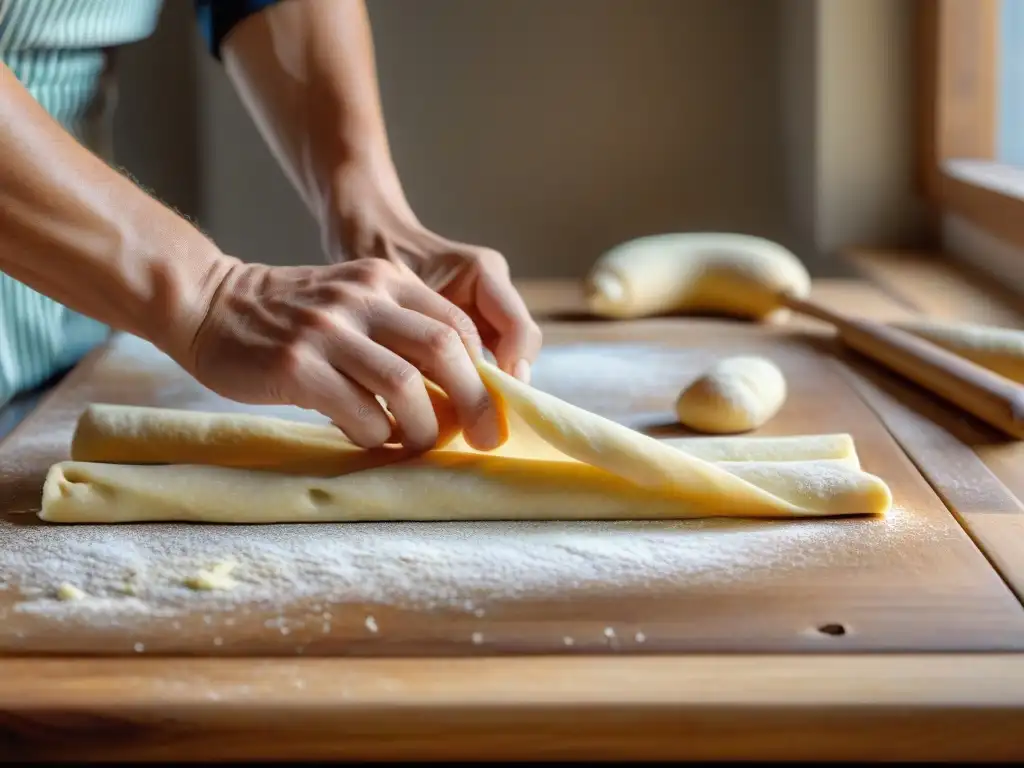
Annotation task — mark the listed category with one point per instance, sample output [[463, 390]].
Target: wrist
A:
[[181, 274], [366, 213], [185, 294]]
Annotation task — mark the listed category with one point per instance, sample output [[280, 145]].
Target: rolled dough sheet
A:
[[125, 434], [560, 462], [446, 486]]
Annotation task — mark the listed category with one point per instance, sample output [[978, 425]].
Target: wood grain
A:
[[702, 707], [607, 705], [990, 513], [956, 45], [939, 437], [930, 283], [968, 60], [957, 93], [884, 583]]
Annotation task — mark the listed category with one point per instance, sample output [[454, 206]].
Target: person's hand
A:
[[367, 216], [331, 338]]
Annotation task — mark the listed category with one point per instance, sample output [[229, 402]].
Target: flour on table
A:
[[132, 575], [417, 566]]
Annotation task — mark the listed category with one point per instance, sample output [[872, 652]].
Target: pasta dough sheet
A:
[[559, 462], [448, 486], [125, 434]]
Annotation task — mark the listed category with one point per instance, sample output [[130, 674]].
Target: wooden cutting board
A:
[[912, 582]]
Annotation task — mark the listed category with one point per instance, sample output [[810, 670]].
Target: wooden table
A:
[[873, 693]]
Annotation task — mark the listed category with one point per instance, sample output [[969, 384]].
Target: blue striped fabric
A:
[[58, 50]]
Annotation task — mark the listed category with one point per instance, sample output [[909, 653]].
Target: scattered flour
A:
[[469, 568], [417, 566]]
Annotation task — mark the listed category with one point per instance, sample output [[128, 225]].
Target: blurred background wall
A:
[[554, 129]]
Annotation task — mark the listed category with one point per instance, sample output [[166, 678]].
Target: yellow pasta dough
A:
[[560, 462], [736, 394], [693, 272]]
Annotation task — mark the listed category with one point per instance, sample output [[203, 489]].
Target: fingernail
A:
[[522, 371]]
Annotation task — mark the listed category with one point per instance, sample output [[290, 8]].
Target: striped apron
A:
[[61, 51]]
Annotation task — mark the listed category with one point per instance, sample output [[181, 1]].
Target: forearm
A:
[[305, 70], [74, 229]]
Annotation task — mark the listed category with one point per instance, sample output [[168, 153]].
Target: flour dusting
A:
[[416, 566], [132, 575]]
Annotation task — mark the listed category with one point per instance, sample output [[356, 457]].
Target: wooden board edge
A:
[[933, 449], [81, 371], [933, 284], [963, 706]]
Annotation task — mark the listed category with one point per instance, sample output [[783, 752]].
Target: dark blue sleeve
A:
[[218, 17]]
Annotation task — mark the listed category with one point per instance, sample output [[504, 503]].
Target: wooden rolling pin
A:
[[977, 390], [757, 279]]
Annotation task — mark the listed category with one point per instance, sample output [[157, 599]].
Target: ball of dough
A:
[[695, 272], [736, 394]]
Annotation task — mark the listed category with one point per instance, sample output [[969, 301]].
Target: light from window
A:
[[1010, 138]]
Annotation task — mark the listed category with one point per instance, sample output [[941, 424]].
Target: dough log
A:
[[124, 434], [718, 273], [736, 394], [596, 469], [446, 486]]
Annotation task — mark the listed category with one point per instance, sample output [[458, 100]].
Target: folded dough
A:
[[560, 462]]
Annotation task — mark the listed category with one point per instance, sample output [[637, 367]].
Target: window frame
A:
[[958, 86]]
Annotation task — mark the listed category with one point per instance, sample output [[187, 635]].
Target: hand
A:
[[367, 216], [331, 338]]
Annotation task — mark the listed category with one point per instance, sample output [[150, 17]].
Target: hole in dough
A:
[[319, 496]]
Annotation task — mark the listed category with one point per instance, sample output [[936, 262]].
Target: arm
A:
[[305, 70], [76, 230]]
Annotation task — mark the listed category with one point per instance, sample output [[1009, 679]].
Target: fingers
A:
[[317, 386], [418, 297], [398, 383], [438, 350], [500, 305], [448, 427], [389, 360]]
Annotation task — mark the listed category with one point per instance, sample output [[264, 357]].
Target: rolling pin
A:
[[977, 390], [999, 349], [757, 279]]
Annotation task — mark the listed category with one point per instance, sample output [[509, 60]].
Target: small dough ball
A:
[[736, 394], [70, 593], [209, 579]]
